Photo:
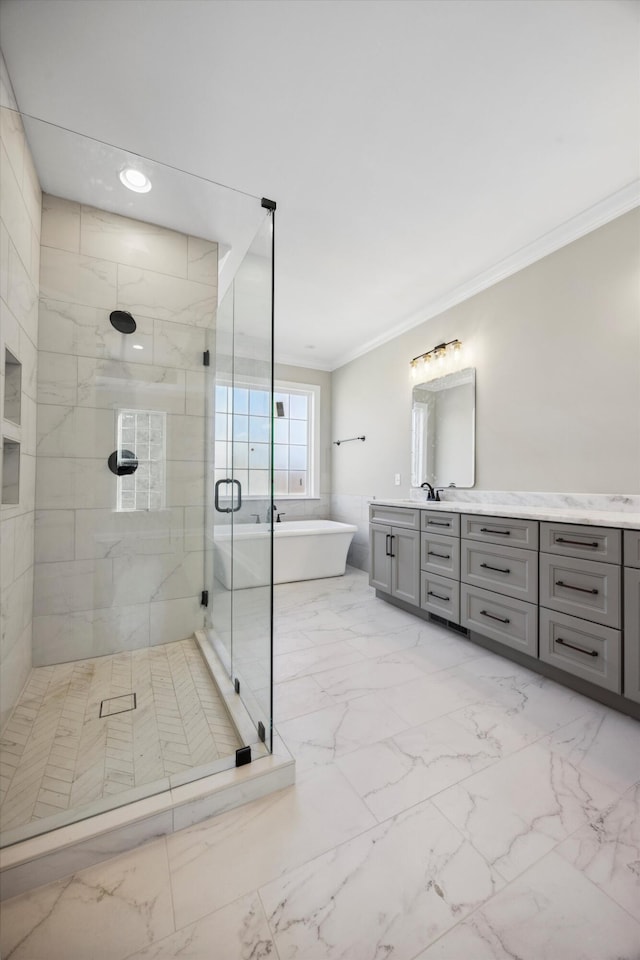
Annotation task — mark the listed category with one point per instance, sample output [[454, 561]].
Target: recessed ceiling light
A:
[[138, 346], [135, 180]]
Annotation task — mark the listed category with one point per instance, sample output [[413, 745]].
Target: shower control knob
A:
[[122, 463]]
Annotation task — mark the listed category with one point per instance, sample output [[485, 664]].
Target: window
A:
[[143, 432], [243, 438]]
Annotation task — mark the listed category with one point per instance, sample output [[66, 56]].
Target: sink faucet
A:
[[432, 494], [271, 509]]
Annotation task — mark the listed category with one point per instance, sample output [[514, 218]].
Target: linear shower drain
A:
[[115, 705]]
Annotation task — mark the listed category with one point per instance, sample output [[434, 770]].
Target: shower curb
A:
[[62, 852]]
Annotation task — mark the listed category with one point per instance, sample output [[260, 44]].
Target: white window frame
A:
[[313, 392]]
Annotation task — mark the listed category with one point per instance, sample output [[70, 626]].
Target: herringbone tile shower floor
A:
[[56, 752]]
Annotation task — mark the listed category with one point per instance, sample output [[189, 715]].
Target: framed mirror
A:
[[443, 430]]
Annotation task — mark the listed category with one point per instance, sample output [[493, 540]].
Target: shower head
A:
[[122, 321]]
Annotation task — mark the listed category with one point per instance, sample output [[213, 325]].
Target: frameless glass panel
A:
[[240, 574]]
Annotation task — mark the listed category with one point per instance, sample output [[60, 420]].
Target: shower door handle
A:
[[216, 497], [235, 509]]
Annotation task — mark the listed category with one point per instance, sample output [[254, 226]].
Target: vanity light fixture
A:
[[426, 361], [135, 180]]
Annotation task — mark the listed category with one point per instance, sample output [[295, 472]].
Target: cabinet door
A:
[[632, 634], [380, 558], [405, 565]]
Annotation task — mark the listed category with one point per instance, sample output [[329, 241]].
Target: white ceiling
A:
[[414, 147]]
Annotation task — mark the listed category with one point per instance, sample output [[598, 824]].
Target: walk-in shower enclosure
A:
[[136, 353]]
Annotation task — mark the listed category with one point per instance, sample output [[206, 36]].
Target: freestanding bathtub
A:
[[302, 550]]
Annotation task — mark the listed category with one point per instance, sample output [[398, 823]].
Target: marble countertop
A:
[[589, 517]]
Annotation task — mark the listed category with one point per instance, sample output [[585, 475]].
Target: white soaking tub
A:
[[302, 550]]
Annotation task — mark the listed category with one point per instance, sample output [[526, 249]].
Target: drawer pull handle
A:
[[565, 643], [503, 533], [577, 543], [430, 593], [443, 556], [438, 523], [492, 617], [569, 586], [487, 566]]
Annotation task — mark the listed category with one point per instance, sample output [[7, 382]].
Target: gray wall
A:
[[556, 348], [19, 266]]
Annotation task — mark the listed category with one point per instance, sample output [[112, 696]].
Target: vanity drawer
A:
[[436, 521], [632, 634], [632, 548], [397, 516], [508, 570], [509, 621], [572, 540], [508, 531], [581, 588], [586, 650], [440, 555], [441, 596]]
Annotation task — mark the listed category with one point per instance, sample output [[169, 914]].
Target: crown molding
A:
[[596, 216]]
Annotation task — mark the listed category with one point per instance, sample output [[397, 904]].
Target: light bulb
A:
[[135, 180]]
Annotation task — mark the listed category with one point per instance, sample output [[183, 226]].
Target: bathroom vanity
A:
[[556, 590]]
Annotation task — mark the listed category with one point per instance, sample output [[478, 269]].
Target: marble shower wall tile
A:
[[78, 330], [77, 279], [134, 243], [94, 262], [89, 633], [202, 261], [108, 533], [60, 224], [113, 384], [20, 216], [57, 378], [165, 297]]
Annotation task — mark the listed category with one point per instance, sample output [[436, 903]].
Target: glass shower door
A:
[[239, 494]]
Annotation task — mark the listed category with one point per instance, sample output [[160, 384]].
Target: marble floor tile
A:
[[102, 913], [327, 656], [397, 773], [427, 696], [321, 737], [294, 698], [239, 930], [523, 710], [366, 676], [387, 893], [216, 862], [603, 743], [607, 851], [551, 912], [518, 810]]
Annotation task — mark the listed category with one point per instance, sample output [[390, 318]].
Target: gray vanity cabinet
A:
[[563, 593], [632, 615], [395, 552]]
